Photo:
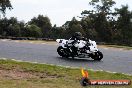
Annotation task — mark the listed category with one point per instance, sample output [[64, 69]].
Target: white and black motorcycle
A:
[[85, 49]]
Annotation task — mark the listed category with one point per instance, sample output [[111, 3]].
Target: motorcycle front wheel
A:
[[97, 56]]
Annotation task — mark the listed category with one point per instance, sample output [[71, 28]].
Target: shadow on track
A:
[[79, 60]]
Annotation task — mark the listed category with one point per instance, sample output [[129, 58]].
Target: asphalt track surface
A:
[[115, 60]]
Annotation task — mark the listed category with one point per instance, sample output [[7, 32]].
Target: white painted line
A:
[[3, 40], [30, 42], [3, 58], [106, 48], [16, 41], [120, 49], [43, 43]]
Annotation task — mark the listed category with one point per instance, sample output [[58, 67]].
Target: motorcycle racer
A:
[[77, 36], [82, 48]]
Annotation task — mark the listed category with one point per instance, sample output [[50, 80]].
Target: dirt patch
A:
[[14, 74], [19, 74]]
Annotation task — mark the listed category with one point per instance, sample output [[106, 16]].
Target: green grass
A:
[[49, 76]]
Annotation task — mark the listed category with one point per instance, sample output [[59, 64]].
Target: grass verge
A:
[[30, 75]]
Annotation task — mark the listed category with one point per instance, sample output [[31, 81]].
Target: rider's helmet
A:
[[78, 34]]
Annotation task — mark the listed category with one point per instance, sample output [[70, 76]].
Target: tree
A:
[[5, 4], [72, 26], [102, 5], [43, 23], [33, 31], [3, 26], [124, 25], [22, 29], [88, 26], [99, 17], [13, 28], [57, 32]]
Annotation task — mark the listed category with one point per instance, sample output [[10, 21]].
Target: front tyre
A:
[[62, 52], [97, 56]]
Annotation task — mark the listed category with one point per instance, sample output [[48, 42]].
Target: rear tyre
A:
[[62, 52], [97, 56]]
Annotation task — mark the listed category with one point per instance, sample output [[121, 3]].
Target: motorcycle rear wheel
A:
[[62, 52]]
